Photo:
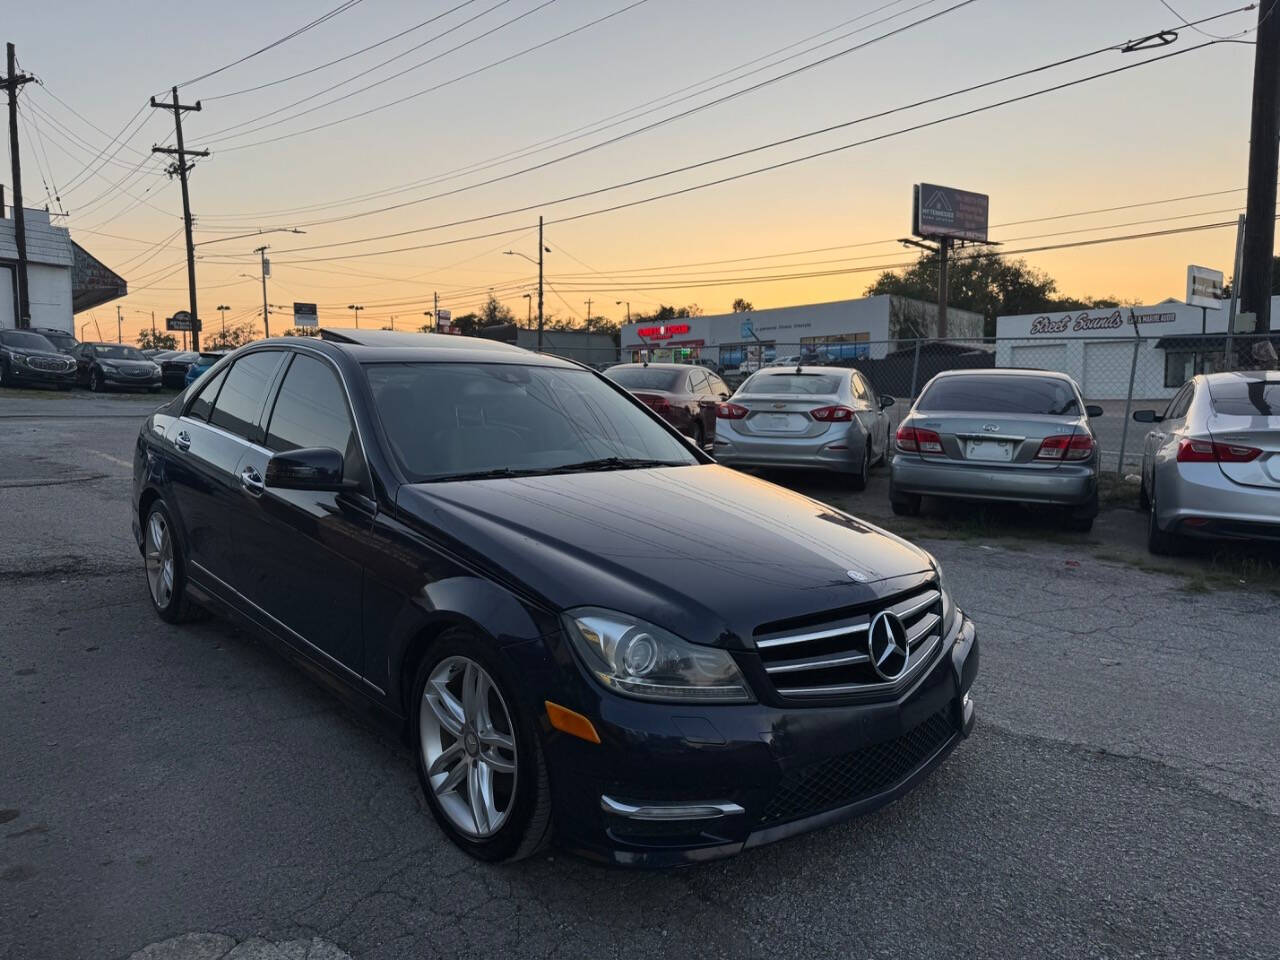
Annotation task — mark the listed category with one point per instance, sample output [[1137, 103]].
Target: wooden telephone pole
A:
[[12, 81], [1260, 221], [181, 168]]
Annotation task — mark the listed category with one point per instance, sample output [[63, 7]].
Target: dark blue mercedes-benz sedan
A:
[[590, 631]]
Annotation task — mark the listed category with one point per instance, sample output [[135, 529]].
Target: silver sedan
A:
[[1017, 435], [826, 418], [1211, 463]]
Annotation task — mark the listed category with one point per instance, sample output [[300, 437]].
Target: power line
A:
[[737, 176], [310, 25], [438, 86]]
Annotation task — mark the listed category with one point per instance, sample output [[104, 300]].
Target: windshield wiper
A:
[[495, 474], [614, 463]]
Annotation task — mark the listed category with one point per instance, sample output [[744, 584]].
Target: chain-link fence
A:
[[1118, 374]]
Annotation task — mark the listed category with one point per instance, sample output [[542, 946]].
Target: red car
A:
[[683, 395]]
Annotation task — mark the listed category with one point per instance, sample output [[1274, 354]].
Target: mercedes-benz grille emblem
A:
[[887, 644]]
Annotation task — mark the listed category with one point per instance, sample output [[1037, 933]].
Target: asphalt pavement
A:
[[183, 793]]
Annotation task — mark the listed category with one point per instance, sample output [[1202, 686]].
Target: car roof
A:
[[655, 366], [1242, 376], [804, 368], [1005, 372], [395, 346]]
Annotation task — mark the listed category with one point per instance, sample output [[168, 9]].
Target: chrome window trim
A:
[[225, 432]]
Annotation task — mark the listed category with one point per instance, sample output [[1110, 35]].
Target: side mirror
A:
[[886, 401], [310, 468], [1147, 416], [1093, 410]]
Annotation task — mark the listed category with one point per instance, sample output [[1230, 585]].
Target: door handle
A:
[[251, 482], [182, 441]]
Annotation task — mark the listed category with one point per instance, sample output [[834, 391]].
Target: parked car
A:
[[1211, 463], [28, 358], [201, 364], [792, 361], [62, 341], [684, 395], [756, 360], [567, 614], [102, 366], [1016, 435], [713, 365], [816, 417], [174, 365]]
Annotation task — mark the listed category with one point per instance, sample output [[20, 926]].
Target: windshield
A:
[[646, 378], [1044, 396], [803, 384], [113, 351], [25, 340], [458, 420], [61, 341]]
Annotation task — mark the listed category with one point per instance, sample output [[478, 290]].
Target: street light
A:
[[222, 309], [542, 248], [528, 312], [618, 303], [357, 308]]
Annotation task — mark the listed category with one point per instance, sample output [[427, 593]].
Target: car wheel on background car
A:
[[1158, 541], [478, 757], [165, 565], [863, 476], [1144, 500], [4, 375], [904, 504], [96, 383], [699, 436]]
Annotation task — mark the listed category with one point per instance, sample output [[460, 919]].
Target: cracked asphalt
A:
[[183, 793]]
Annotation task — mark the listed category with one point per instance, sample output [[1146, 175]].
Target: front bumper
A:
[[773, 771], [1066, 484], [20, 373], [117, 379]]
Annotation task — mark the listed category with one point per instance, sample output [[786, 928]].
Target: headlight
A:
[[640, 660], [107, 365], [21, 358]]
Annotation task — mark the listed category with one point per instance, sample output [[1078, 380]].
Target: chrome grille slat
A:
[[832, 660]]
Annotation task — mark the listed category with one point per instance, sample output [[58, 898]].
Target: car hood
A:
[[128, 364], [703, 551]]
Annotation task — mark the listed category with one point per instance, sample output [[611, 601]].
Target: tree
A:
[[236, 335], [156, 340], [665, 314], [493, 313], [742, 306], [987, 284], [301, 332]]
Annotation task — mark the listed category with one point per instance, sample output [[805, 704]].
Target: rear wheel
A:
[[1144, 500], [1158, 541], [4, 375], [699, 436], [479, 760], [165, 565], [863, 476]]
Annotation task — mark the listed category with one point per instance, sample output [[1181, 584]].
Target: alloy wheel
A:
[[468, 746], [159, 559]]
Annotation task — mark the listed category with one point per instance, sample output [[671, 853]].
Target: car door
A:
[[84, 361], [700, 390], [299, 551], [879, 420], [864, 412], [1162, 440]]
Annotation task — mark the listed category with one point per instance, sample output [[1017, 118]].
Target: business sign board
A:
[[1114, 322], [444, 321], [1204, 287], [663, 332], [304, 315], [745, 331], [948, 213], [180, 321]]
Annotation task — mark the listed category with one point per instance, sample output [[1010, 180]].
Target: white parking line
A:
[[115, 460]]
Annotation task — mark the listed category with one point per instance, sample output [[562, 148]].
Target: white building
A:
[[62, 278], [1096, 347], [869, 327]]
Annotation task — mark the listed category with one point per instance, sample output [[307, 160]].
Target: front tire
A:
[[863, 476], [478, 757], [96, 382], [165, 565]]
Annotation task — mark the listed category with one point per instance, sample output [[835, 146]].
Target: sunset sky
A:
[[1163, 131]]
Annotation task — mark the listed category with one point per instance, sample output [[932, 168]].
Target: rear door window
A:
[[243, 393], [1041, 396]]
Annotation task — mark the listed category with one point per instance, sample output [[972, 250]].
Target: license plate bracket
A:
[[994, 451]]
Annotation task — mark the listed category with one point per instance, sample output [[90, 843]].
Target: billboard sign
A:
[[662, 332], [948, 213], [444, 321], [1204, 287], [181, 320], [304, 315]]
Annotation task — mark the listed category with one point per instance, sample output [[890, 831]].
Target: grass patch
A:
[[1211, 566], [1115, 491]]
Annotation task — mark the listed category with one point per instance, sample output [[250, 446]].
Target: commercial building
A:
[[869, 327], [62, 278], [1096, 347]]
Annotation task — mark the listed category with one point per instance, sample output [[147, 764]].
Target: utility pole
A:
[[266, 270], [528, 310], [588, 301], [119, 326], [540, 319], [435, 309], [181, 168], [222, 309], [944, 248], [12, 81], [618, 303], [1264, 142]]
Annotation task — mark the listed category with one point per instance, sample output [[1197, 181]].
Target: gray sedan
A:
[[1018, 435], [826, 418], [1211, 463]]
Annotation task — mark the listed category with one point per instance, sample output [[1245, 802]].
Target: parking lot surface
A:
[[1120, 796]]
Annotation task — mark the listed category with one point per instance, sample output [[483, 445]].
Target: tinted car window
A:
[[117, 351], [456, 418], [1181, 403], [311, 409], [646, 378], [797, 383], [61, 341], [240, 400], [203, 403], [1256, 399], [25, 340], [1027, 395]]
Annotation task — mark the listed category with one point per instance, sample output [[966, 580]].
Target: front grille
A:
[[839, 781], [51, 364], [831, 658]]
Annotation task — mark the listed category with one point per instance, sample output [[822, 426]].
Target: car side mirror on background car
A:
[[310, 468], [1147, 416], [1093, 410], [886, 401]]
